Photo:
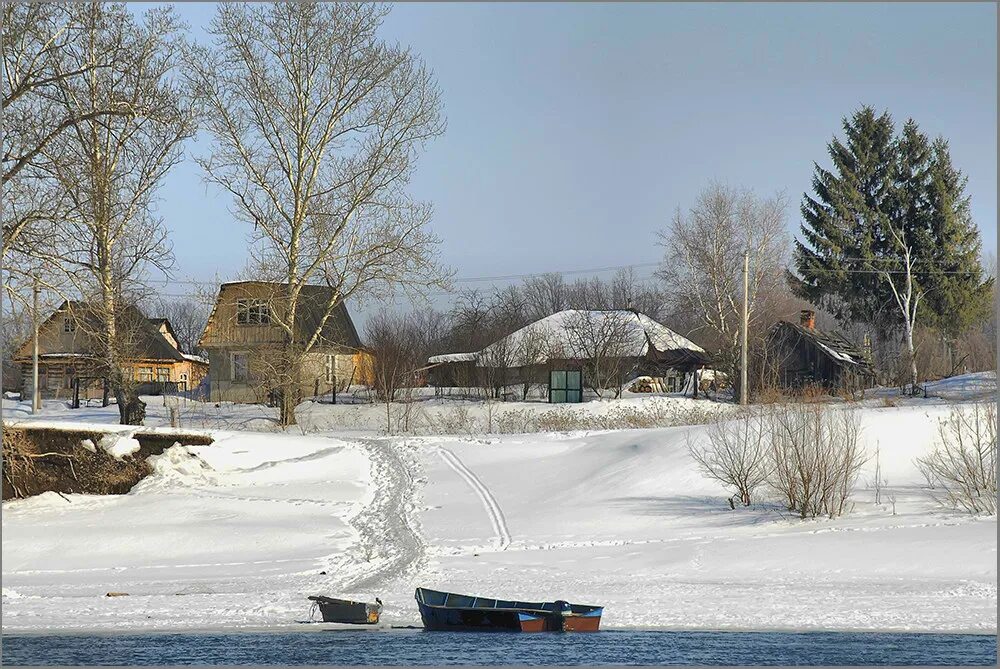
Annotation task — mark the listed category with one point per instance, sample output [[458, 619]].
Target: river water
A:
[[416, 647]]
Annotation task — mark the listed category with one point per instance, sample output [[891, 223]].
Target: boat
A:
[[347, 611], [449, 611]]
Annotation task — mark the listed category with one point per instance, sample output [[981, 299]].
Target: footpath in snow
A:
[[237, 534]]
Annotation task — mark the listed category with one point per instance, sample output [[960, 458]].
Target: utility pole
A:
[[36, 402], [744, 324]]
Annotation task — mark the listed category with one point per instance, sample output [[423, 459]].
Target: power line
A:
[[470, 279], [879, 271]]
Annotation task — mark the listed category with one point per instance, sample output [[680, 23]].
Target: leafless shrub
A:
[[961, 471], [816, 457], [736, 454], [497, 418], [392, 342]]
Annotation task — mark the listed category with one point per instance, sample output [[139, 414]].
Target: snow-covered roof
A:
[[195, 358], [575, 334], [452, 357]]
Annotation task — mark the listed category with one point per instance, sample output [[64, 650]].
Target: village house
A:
[[803, 356], [243, 337], [67, 350], [573, 349]]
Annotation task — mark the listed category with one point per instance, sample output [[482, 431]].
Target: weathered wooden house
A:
[[243, 339], [67, 350], [803, 356], [571, 350]]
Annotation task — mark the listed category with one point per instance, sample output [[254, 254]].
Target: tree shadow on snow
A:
[[699, 509]]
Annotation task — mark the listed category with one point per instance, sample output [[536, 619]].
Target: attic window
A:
[[69, 325], [253, 312]]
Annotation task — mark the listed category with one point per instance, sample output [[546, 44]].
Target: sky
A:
[[576, 130]]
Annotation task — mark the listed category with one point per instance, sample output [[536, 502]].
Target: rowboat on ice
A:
[[347, 611], [449, 611]]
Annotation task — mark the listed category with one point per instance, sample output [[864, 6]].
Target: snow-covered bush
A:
[[962, 468], [736, 453], [816, 456]]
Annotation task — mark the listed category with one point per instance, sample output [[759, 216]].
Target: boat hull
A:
[[345, 611], [511, 617]]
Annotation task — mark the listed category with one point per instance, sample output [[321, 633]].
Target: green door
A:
[[565, 386]]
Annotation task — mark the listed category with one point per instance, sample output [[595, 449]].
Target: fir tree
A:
[[957, 295], [843, 225], [883, 189]]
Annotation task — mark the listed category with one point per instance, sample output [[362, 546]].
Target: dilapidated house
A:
[[803, 355]]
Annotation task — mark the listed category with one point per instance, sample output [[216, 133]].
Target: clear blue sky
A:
[[575, 130]]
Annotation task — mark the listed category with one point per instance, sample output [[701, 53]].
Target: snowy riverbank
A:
[[236, 535]]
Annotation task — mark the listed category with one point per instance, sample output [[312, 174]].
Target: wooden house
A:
[[243, 338], [806, 356], [67, 351]]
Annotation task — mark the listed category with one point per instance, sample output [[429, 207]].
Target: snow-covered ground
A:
[[238, 533]]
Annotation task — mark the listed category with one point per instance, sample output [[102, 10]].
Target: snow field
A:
[[236, 535]]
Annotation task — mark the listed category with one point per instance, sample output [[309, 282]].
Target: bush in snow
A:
[[962, 469], [736, 454], [816, 457]]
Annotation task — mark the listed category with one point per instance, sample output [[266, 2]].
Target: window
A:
[[163, 374], [565, 385], [253, 312], [144, 374], [69, 325], [331, 368], [239, 372]]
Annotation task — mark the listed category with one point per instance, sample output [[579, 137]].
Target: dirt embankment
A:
[[40, 459]]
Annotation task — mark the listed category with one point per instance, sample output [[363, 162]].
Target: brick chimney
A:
[[807, 319]]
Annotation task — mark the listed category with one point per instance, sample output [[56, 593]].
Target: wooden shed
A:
[[806, 356]]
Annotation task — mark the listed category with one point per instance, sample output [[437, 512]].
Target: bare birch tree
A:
[[109, 169], [703, 261], [907, 295], [47, 48], [317, 124]]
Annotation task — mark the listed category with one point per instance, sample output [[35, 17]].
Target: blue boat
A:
[[450, 611]]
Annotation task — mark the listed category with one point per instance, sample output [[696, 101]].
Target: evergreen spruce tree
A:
[[843, 225], [881, 184], [957, 294]]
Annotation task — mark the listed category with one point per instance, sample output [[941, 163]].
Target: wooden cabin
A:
[[243, 338], [67, 350], [806, 356]]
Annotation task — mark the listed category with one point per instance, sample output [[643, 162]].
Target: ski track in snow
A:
[[490, 503]]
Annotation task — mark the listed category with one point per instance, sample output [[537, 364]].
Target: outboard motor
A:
[[560, 609]]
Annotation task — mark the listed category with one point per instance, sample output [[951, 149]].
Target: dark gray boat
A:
[[347, 611]]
